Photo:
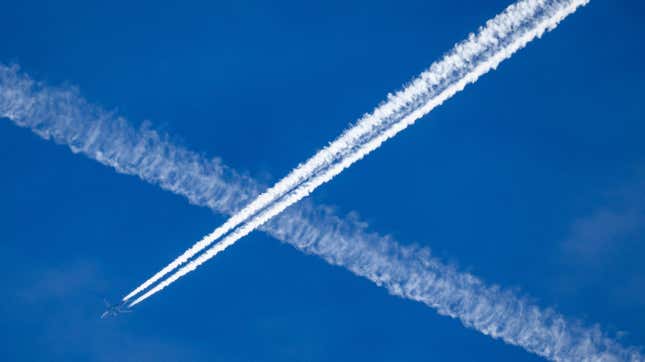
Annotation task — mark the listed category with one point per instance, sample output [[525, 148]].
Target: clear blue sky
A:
[[534, 178]]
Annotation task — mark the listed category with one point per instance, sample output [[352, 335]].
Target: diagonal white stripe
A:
[[499, 40]]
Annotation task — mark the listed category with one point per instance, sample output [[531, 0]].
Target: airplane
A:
[[114, 310]]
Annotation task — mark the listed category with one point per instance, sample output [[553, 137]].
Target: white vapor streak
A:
[[441, 73], [61, 114], [549, 20]]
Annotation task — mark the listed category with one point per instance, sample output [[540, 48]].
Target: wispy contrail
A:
[[466, 62], [62, 115], [498, 40]]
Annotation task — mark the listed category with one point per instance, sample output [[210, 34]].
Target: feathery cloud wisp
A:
[[62, 115]]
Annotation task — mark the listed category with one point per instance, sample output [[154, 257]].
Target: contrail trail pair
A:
[[429, 87], [62, 115], [498, 40]]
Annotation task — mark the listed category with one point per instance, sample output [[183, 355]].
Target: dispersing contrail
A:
[[466, 62], [498, 40], [62, 115]]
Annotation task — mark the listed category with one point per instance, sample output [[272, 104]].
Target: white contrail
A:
[[540, 19], [458, 63], [62, 115]]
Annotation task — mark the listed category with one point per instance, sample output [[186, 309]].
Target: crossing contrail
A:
[[466, 62], [62, 115], [498, 40]]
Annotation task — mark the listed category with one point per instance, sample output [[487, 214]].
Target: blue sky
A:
[[533, 178]]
